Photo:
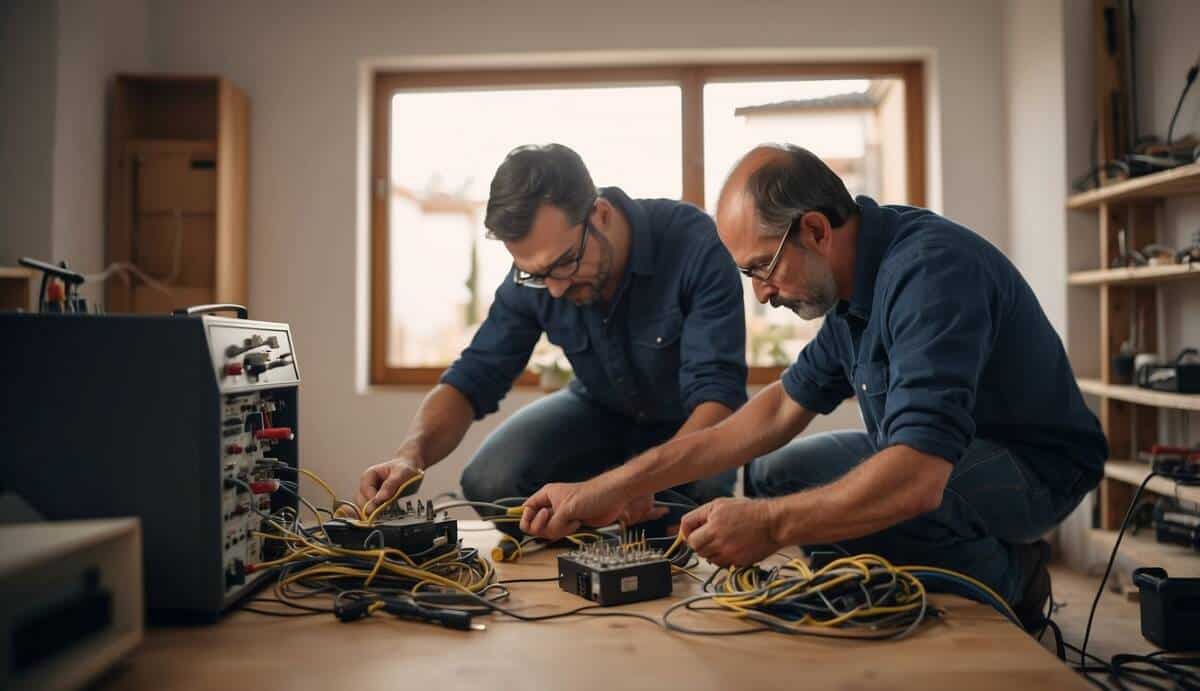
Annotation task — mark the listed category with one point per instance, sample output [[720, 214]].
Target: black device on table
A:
[[615, 573], [188, 421]]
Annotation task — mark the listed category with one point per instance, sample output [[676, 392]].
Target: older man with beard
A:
[[977, 438]]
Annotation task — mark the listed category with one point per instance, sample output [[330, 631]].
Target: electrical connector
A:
[[275, 433], [405, 608]]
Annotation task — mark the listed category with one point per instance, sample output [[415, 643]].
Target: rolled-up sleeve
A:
[[713, 347], [941, 310], [817, 380], [498, 353]]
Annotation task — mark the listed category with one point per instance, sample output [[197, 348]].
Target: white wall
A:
[[1036, 128], [57, 60], [301, 66], [96, 40], [27, 99]]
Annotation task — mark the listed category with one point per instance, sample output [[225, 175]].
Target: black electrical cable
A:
[[1119, 667], [549, 579], [266, 613], [1087, 633], [586, 610], [1191, 77]]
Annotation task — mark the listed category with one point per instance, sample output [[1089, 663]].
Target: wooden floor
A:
[[973, 647], [1116, 627]]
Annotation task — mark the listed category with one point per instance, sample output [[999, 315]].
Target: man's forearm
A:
[[892, 486], [438, 427], [703, 416], [767, 422]]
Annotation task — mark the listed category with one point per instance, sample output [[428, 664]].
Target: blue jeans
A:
[[994, 500], [564, 437]]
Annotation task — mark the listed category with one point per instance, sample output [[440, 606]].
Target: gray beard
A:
[[823, 290], [805, 309]]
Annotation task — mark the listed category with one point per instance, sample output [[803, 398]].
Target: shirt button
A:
[[658, 340], [864, 387]]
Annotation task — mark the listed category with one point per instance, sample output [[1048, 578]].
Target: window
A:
[[438, 138]]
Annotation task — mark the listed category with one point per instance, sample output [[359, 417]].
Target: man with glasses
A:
[[645, 302], [977, 438]]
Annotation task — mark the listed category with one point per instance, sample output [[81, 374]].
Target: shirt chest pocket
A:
[[871, 386], [571, 340], [656, 345]]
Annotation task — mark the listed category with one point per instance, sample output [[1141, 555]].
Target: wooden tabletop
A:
[[972, 647]]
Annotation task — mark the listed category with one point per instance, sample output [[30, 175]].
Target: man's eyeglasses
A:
[[762, 272], [562, 269]]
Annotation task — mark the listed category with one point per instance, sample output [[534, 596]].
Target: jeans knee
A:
[[483, 480], [754, 479]]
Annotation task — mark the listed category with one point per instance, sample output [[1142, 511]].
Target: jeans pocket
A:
[[1006, 498]]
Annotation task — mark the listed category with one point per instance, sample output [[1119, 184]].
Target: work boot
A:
[[1033, 561]]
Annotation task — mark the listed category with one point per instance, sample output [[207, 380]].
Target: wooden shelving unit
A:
[[1135, 472], [16, 288], [178, 171], [1140, 396], [1177, 182], [1143, 550], [1128, 312], [1141, 275]]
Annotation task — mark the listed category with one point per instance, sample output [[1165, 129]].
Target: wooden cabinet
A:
[[177, 192]]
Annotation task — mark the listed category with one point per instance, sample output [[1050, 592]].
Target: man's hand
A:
[[731, 532], [379, 482], [640, 510], [558, 509]]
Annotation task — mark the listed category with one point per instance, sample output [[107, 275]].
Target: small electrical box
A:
[[615, 574], [1170, 609], [416, 531]]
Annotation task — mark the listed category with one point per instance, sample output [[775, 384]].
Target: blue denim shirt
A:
[[673, 337], [943, 341]]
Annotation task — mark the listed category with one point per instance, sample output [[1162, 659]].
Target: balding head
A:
[[775, 183]]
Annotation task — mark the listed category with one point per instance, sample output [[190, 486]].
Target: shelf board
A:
[[1133, 473], [1142, 550], [1134, 394], [1135, 275], [16, 272], [1176, 182]]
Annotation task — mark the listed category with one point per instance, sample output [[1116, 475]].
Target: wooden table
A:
[[971, 648]]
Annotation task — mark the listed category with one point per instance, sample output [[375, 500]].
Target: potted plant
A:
[[551, 365]]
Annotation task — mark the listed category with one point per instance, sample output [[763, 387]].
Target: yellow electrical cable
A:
[[674, 545], [745, 593], [498, 552], [451, 572], [396, 495], [324, 485], [978, 584]]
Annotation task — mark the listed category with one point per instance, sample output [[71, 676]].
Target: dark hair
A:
[[796, 183], [531, 176]]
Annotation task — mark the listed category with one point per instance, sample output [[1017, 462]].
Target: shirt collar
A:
[[643, 252], [874, 237]]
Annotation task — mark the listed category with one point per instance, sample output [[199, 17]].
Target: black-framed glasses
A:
[[762, 272], [564, 268]]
